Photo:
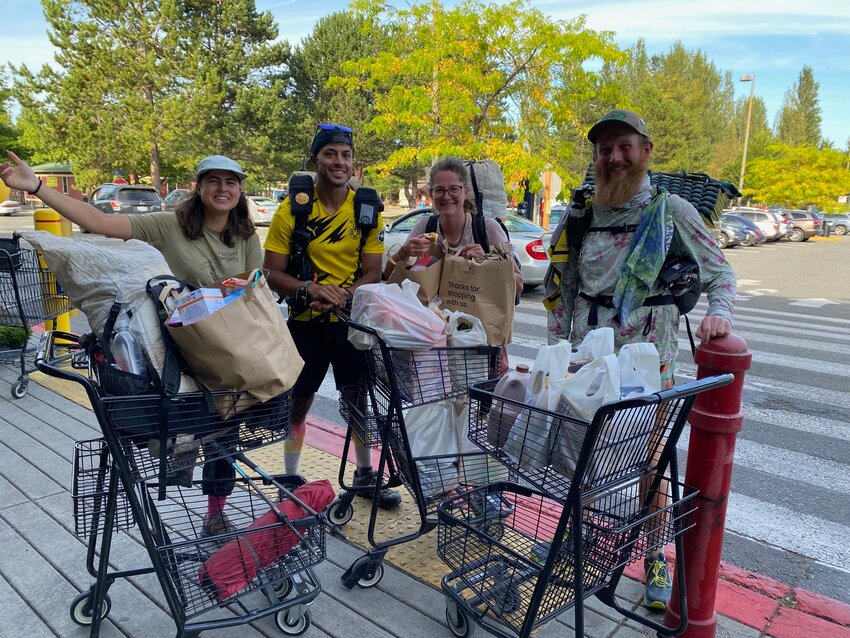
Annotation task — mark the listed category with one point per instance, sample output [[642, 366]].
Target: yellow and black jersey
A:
[[334, 248]]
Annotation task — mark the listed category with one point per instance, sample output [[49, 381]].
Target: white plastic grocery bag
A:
[[640, 370], [397, 315], [528, 442], [594, 385], [596, 343], [432, 430], [464, 331]]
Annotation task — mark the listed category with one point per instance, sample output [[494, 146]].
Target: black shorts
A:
[[324, 343]]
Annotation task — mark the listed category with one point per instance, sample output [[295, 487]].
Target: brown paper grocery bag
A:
[[483, 288], [244, 347], [428, 279]]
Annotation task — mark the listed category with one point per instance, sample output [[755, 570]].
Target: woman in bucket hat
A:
[[208, 238]]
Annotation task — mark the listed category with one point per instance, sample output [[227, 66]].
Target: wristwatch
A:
[[301, 293]]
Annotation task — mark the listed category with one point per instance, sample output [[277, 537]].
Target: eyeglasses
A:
[[333, 127], [454, 191]]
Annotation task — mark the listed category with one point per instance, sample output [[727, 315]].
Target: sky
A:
[[768, 39]]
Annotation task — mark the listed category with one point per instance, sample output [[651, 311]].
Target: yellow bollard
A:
[[50, 221]]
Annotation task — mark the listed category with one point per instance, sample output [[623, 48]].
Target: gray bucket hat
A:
[[619, 116], [218, 162]]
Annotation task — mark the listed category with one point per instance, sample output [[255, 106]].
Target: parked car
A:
[[10, 207], [262, 209], [755, 235], [529, 242], [840, 224], [786, 227], [804, 224], [126, 198], [555, 215], [175, 197], [766, 220], [730, 235]]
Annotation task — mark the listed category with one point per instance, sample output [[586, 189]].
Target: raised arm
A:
[[17, 174]]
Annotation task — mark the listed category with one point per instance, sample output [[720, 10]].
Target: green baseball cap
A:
[[218, 162], [619, 116]]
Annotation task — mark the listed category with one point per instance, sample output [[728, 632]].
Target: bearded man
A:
[[608, 275]]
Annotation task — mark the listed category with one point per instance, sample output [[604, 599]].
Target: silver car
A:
[[529, 242]]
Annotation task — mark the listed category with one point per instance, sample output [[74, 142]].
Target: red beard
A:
[[613, 190]]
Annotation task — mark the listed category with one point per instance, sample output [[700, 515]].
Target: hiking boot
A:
[[387, 499], [659, 584], [216, 525]]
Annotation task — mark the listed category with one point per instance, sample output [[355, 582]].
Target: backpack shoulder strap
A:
[[431, 225], [479, 231]]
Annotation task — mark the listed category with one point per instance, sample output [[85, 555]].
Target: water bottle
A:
[[126, 351], [512, 385]]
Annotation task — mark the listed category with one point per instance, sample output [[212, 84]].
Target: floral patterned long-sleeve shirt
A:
[[597, 266]]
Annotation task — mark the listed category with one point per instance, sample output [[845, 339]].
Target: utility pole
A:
[[752, 80]]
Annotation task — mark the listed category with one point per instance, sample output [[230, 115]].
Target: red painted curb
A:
[[790, 623]]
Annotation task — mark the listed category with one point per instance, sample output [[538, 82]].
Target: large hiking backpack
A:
[[488, 187]]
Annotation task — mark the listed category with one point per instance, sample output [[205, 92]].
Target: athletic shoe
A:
[[659, 584], [387, 499], [216, 525]]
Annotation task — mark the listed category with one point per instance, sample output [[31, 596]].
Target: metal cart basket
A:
[[29, 296], [397, 380], [587, 503], [262, 567]]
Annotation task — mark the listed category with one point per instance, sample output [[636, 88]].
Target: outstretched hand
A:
[[17, 174], [712, 327]]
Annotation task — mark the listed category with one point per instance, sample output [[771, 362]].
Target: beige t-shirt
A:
[[200, 261]]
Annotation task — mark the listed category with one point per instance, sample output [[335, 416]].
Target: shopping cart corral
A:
[[590, 499], [397, 381], [262, 566], [29, 296]]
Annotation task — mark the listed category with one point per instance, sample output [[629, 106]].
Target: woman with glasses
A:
[[449, 185]]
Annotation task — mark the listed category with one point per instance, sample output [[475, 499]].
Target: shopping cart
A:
[[262, 567], [588, 502], [396, 381], [29, 296]]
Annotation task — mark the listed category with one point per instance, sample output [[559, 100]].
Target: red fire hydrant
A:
[[715, 422]]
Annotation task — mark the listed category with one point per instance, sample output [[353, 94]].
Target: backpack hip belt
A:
[[607, 301]]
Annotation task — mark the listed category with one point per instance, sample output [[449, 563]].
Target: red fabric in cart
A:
[[236, 564]]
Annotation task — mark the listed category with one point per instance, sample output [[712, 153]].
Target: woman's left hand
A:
[[472, 251], [713, 327]]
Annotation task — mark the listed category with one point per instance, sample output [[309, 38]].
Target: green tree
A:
[[337, 39], [796, 176], [799, 120], [686, 101], [9, 133], [500, 81], [730, 151], [146, 86]]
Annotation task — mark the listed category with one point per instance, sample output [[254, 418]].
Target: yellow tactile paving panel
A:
[[418, 557]]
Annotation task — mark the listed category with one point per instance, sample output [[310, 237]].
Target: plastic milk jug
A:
[[502, 415]]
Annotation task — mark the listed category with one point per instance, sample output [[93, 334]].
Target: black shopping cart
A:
[[261, 565], [397, 381], [29, 296], [591, 498]]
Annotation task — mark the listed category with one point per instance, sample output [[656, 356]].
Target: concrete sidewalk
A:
[[42, 566]]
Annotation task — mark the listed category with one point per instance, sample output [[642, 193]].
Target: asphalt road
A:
[[789, 511]]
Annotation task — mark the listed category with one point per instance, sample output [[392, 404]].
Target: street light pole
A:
[[752, 80]]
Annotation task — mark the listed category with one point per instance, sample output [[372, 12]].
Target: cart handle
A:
[[44, 358]]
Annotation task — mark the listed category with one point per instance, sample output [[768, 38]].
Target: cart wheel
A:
[[19, 390], [340, 514], [283, 588], [370, 580], [460, 626], [290, 625], [81, 611]]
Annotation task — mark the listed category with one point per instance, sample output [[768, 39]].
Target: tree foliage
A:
[[797, 176], [498, 81], [799, 119], [9, 133], [146, 86], [686, 101]]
